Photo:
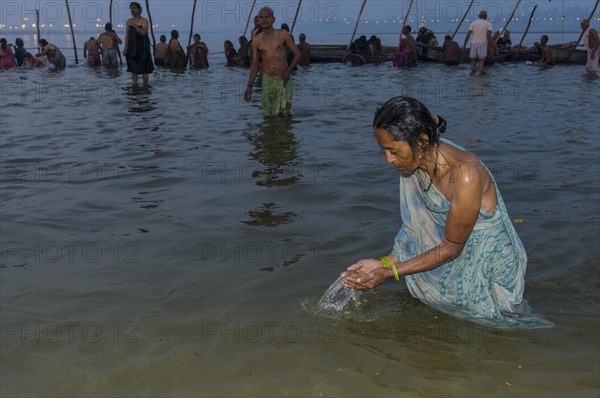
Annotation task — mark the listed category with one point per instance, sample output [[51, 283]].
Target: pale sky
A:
[[231, 15]]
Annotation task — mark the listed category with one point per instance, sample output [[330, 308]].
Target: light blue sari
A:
[[485, 283]]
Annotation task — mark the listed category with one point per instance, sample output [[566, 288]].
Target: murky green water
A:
[[169, 241]]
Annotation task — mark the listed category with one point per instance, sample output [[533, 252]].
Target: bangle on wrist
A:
[[395, 271], [387, 263]]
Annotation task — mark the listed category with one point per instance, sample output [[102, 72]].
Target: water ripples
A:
[[206, 212]]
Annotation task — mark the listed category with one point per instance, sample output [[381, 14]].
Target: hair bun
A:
[[441, 124]]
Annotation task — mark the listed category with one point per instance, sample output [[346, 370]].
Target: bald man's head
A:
[[267, 9], [585, 24]]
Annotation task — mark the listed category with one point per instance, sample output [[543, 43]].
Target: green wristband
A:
[[387, 263]]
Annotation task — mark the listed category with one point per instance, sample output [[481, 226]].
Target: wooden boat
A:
[[561, 54], [525, 54], [498, 59], [434, 54], [427, 53], [326, 53], [322, 53], [562, 51]]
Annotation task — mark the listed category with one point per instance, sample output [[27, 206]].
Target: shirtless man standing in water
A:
[[270, 48]]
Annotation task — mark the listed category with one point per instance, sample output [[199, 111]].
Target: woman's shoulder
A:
[[462, 162], [459, 154]]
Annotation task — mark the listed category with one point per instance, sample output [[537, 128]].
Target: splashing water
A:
[[337, 297]]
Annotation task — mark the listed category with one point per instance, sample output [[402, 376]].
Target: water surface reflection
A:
[[275, 148]]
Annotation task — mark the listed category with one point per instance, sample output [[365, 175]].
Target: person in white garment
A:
[[481, 31], [592, 44]]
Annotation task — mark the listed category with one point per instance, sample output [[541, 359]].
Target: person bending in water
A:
[[456, 247], [34, 62], [269, 53], [55, 57]]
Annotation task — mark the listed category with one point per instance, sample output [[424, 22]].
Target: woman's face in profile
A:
[[397, 153]]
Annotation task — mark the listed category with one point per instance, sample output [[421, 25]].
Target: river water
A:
[[170, 241]]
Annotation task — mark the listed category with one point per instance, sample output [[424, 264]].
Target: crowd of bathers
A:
[[20, 57], [105, 50]]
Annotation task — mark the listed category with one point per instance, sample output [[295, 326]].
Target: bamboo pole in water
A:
[[296, 16], [508, 21], [526, 31], [563, 22], [418, 17], [581, 35], [362, 7], [249, 16], [192, 26], [463, 19], [72, 31], [37, 27], [405, 20], [151, 27]]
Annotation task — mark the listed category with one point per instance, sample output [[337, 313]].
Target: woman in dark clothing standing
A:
[[137, 49]]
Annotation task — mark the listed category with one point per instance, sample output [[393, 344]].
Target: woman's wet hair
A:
[[136, 4], [19, 42], [174, 34], [407, 119]]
